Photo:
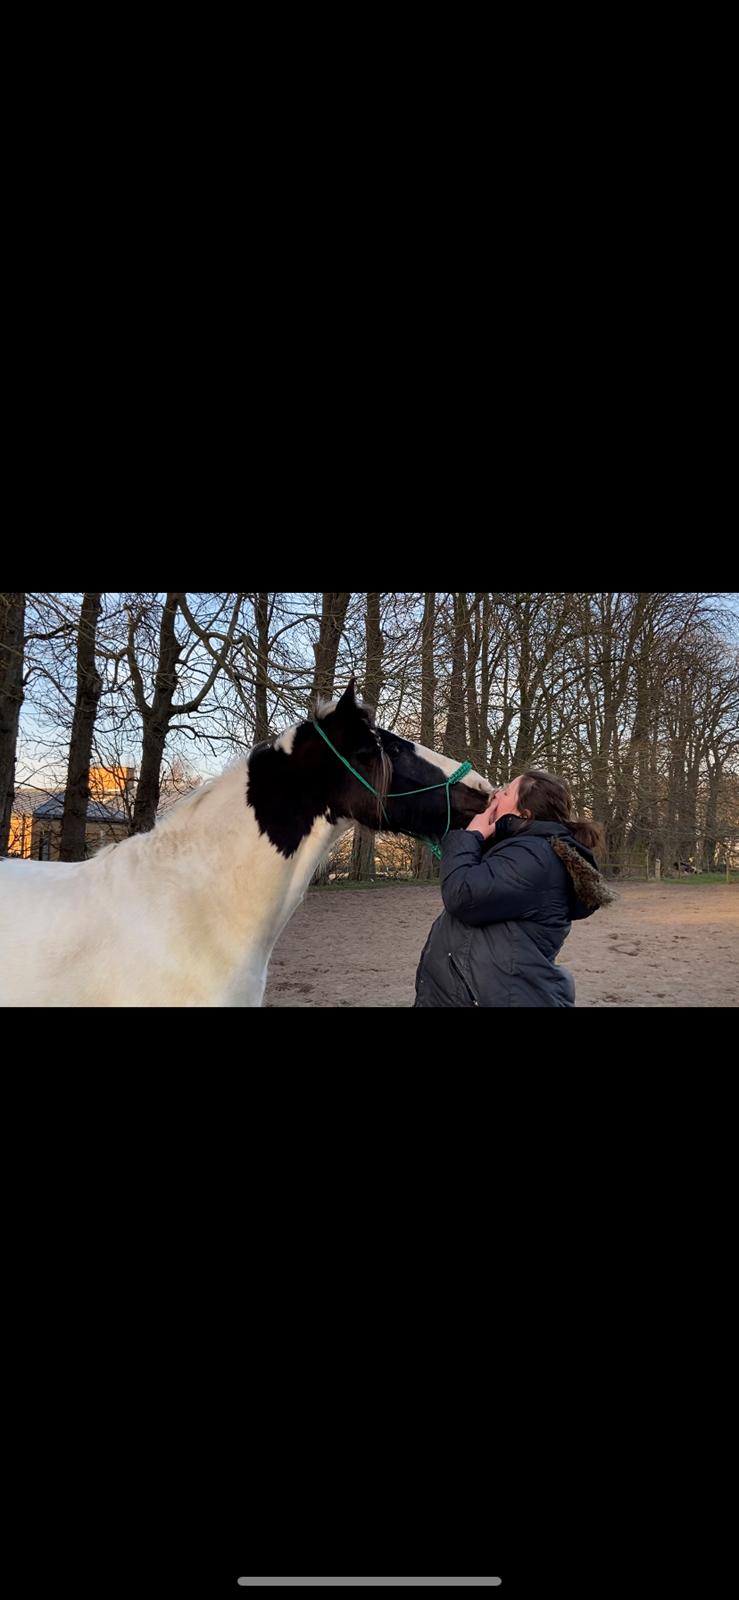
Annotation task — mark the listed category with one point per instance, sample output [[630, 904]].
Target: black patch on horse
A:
[[288, 792]]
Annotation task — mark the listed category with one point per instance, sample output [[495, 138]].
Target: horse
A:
[[189, 913]]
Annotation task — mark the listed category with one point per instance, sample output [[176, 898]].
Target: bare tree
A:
[[12, 624], [455, 735], [89, 688], [363, 847], [424, 863], [333, 615], [158, 713], [263, 614], [326, 649]]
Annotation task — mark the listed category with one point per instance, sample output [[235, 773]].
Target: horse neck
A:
[[224, 880]]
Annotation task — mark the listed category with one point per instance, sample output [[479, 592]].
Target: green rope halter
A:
[[403, 793]]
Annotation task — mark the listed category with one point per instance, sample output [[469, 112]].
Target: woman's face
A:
[[505, 801]]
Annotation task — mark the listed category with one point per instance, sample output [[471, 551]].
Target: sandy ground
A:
[[657, 946]]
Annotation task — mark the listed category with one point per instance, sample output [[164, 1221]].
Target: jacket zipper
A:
[[464, 980]]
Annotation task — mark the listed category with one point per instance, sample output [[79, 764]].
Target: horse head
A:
[[340, 765]]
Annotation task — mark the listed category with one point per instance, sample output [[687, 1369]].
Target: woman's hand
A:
[[485, 822]]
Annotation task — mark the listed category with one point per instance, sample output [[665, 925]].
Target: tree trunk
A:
[[261, 727], [425, 866], [362, 865], [485, 683], [12, 628], [156, 719], [455, 736], [148, 788], [89, 689], [710, 836], [523, 748], [476, 739], [333, 616]]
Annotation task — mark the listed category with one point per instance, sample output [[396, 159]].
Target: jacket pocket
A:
[[463, 980]]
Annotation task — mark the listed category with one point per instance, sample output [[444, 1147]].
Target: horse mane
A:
[[180, 813]]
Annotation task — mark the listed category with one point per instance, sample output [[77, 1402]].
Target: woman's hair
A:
[[549, 799]]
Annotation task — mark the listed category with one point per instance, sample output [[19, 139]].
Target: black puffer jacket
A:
[[508, 910]]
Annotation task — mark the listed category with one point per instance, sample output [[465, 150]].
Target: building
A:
[[36, 820], [105, 825], [25, 803]]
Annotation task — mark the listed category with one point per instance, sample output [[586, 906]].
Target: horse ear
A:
[[348, 701]]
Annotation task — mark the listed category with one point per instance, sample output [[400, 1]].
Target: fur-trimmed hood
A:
[[588, 883]]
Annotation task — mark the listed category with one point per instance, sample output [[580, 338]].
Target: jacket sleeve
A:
[[503, 887]]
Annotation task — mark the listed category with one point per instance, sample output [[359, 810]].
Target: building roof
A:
[[27, 801], [96, 811]]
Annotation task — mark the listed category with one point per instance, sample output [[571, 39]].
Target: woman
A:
[[512, 883]]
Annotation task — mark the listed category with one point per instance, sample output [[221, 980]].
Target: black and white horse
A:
[[189, 913]]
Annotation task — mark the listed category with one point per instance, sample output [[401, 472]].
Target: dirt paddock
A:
[[659, 945]]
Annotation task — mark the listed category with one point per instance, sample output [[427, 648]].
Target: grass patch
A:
[[701, 879]]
